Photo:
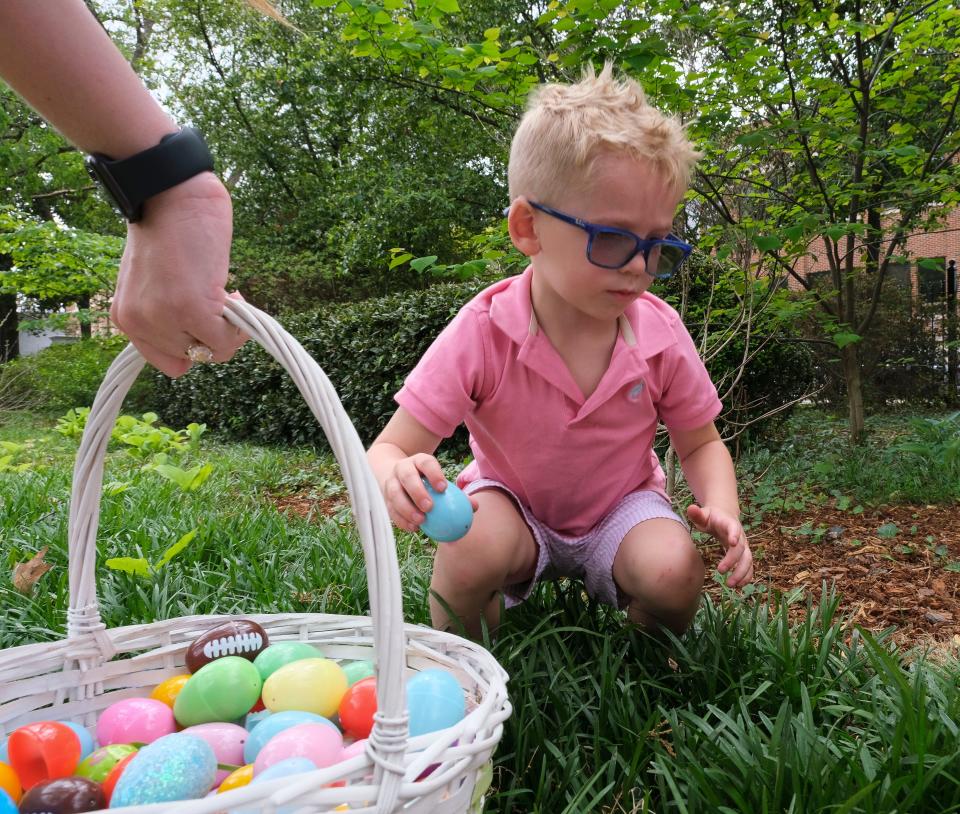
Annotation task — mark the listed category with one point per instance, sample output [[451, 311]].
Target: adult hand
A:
[[726, 528], [171, 286]]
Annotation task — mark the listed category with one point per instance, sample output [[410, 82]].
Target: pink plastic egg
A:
[[319, 743], [354, 749], [135, 720], [227, 742]]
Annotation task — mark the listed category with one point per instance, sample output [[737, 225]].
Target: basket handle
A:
[[388, 740]]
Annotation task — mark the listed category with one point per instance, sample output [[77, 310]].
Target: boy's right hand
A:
[[407, 498]]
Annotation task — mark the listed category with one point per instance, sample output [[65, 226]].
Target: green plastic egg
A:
[[99, 763], [357, 670], [272, 658], [308, 685], [223, 690]]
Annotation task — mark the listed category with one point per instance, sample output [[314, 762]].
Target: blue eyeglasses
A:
[[612, 248]]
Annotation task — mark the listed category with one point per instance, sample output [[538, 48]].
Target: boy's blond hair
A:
[[566, 127]]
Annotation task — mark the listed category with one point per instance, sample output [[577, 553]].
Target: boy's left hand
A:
[[726, 528]]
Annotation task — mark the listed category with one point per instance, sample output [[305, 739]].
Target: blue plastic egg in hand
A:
[[451, 515]]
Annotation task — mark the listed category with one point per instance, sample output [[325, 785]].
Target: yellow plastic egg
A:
[[308, 685], [167, 691], [10, 783], [237, 778]]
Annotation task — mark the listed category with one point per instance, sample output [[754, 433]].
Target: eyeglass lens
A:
[[615, 250]]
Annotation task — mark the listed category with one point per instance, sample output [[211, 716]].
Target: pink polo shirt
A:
[[570, 459]]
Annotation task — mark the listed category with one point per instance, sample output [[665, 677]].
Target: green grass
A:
[[748, 712]]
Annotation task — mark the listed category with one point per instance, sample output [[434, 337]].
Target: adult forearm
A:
[[712, 479], [56, 56]]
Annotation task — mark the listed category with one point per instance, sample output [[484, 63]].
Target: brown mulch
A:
[[897, 579]]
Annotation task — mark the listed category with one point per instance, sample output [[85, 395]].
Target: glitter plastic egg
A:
[[42, 751], [7, 806], [9, 782], [168, 690], [320, 744], [435, 700], [309, 685], [357, 708], [223, 690], [273, 725], [236, 779], [66, 795], [98, 765], [135, 720], [357, 671], [86, 739], [278, 654], [175, 767], [227, 742]]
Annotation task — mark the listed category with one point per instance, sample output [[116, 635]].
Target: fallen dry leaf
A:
[[27, 574]]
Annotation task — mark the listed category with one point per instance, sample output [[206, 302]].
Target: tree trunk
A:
[[951, 319], [85, 327], [850, 357], [9, 328]]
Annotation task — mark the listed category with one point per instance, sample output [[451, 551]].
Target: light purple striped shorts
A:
[[590, 556]]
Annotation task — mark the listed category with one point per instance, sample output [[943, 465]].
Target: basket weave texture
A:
[[77, 677]]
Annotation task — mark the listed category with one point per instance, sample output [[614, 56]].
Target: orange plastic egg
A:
[[10, 783], [167, 691], [110, 781], [237, 778]]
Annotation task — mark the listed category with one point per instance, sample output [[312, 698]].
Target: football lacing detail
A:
[[232, 645]]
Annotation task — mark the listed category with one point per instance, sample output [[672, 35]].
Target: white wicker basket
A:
[[77, 677]]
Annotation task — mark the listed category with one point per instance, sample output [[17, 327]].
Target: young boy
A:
[[561, 375]]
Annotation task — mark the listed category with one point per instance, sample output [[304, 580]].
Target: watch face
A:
[[100, 172]]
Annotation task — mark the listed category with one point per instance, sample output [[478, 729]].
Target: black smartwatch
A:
[[130, 181]]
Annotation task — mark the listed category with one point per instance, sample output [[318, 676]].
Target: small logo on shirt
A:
[[635, 391]]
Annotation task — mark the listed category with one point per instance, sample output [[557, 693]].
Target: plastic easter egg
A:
[[168, 690], [242, 638], [357, 708], [320, 744], [227, 742], [273, 725], [278, 654], [236, 779], [357, 671], [43, 751], [66, 795], [354, 749], [253, 718], [175, 767], [285, 768], [135, 720], [451, 515], [9, 782], [310, 685], [111, 780], [7, 806], [222, 690], [102, 760], [86, 739], [435, 700], [4, 757]]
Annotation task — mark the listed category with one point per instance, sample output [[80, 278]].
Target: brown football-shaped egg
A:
[[241, 637], [66, 795]]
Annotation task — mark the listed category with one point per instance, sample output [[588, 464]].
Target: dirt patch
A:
[[892, 566], [308, 506]]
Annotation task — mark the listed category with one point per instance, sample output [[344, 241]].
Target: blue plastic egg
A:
[[435, 700], [253, 718], [4, 758], [274, 725], [451, 515], [86, 739], [7, 806], [285, 768], [174, 767]]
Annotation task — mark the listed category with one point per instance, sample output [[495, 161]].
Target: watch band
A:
[[131, 181]]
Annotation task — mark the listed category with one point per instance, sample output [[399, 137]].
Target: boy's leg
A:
[[468, 573], [660, 569]]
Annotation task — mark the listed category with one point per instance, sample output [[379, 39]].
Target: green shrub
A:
[[64, 376], [367, 349]]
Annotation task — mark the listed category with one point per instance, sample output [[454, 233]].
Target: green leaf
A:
[[768, 243], [841, 340], [138, 566], [888, 531], [448, 6], [176, 548], [422, 263]]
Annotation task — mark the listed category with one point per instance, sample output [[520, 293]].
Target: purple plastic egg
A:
[[226, 740], [320, 743]]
